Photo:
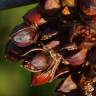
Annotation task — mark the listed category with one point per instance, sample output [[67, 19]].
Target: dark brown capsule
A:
[[24, 37], [78, 58], [51, 4], [53, 44], [88, 7], [13, 52], [40, 62], [48, 76], [50, 7], [67, 85]]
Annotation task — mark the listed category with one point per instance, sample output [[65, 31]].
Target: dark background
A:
[[14, 80]]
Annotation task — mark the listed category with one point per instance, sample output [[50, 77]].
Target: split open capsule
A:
[[39, 62]]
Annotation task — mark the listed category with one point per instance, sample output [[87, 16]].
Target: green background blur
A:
[[15, 81]]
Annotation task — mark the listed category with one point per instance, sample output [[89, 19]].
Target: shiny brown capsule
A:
[[13, 52], [50, 7], [48, 76], [51, 4], [88, 7], [67, 85], [40, 62], [24, 37], [78, 58]]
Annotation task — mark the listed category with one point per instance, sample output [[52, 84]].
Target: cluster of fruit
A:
[[58, 40]]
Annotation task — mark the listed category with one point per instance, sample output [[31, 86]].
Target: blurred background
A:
[[14, 80]]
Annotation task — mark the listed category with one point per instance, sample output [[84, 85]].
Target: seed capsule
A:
[[24, 37], [40, 62], [78, 58], [67, 86], [50, 7], [13, 52], [51, 4], [89, 7]]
